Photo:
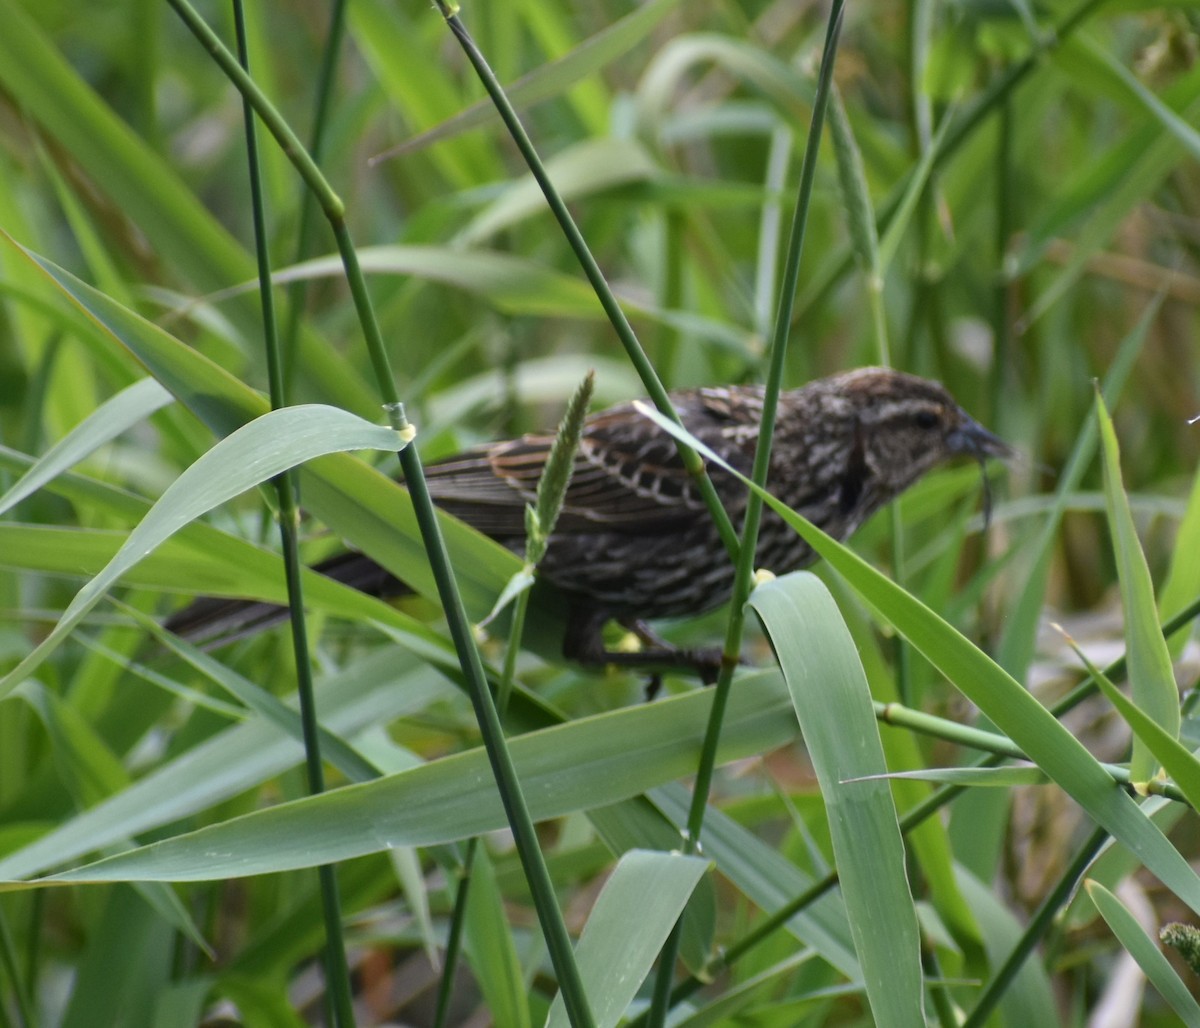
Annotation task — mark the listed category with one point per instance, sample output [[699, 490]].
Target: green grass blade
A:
[[374, 691], [514, 285], [489, 943], [1182, 583], [251, 455], [1020, 632], [127, 408], [1176, 759], [833, 703], [769, 880], [363, 506], [1145, 951], [996, 777], [576, 766], [1150, 673], [553, 78]]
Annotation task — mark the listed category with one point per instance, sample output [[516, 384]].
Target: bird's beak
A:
[[971, 439]]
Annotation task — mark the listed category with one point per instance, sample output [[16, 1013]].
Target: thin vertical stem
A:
[[336, 969], [298, 289]]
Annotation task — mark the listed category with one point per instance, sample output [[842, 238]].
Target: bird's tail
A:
[[213, 621]]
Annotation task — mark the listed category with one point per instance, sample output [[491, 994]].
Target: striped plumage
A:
[[635, 542]]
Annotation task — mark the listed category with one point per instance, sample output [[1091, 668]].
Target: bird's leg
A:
[[705, 661], [584, 642]]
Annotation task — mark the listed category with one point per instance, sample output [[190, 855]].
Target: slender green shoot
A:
[[336, 969]]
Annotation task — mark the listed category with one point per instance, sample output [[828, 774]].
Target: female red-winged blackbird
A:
[[635, 542]]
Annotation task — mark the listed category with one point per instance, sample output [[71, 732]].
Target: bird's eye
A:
[[926, 419]]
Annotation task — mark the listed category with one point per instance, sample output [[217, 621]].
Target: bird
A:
[[635, 542]]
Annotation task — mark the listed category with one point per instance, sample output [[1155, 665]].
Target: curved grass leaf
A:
[[364, 507], [582, 170], [833, 703], [1176, 759], [774, 79], [514, 285], [251, 455]]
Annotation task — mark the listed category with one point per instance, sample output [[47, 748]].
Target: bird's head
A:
[[902, 426], [907, 425]]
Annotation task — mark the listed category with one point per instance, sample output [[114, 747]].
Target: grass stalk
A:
[[458, 920], [540, 520], [297, 291], [337, 971]]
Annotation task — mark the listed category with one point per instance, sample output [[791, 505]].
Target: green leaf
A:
[[1145, 951], [633, 915], [514, 285], [1150, 673], [769, 880], [1182, 583], [1001, 777], [831, 698], [387, 685], [553, 78], [253, 454], [1030, 1000], [576, 766], [364, 507], [1176, 759], [489, 942]]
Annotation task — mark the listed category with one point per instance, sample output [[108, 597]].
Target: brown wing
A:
[[627, 474]]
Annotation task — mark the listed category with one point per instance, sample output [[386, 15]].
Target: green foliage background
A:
[[1055, 244]]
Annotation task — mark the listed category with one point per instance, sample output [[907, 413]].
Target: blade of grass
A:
[[127, 408], [1176, 759], [587, 763], [833, 703], [1150, 671], [253, 454], [1143, 949]]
